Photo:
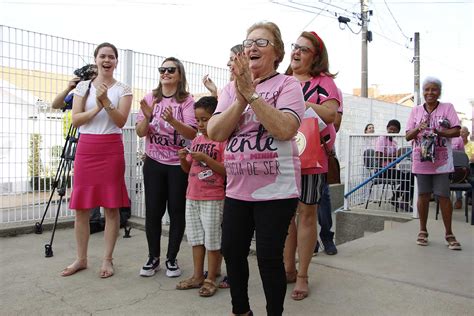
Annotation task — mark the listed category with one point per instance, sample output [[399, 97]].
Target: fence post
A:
[[347, 173], [415, 199], [128, 76]]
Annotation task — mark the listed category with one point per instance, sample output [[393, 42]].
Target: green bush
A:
[[41, 184]]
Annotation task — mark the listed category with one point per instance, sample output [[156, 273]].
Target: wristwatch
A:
[[110, 107], [253, 97]]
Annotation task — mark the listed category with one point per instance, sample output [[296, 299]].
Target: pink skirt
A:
[[99, 168]]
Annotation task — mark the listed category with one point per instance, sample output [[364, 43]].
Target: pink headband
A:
[[320, 41]]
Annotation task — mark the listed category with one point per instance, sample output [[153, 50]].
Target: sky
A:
[[203, 31]]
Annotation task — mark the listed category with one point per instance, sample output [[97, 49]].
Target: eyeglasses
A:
[[260, 42], [171, 70], [303, 49]]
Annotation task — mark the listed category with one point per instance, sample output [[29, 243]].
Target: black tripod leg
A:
[[62, 192], [48, 248], [70, 139], [61, 182], [39, 225], [57, 178]]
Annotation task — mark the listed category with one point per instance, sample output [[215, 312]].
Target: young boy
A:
[[204, 200]]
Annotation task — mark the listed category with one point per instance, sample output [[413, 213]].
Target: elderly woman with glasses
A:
[[433, 124], [310, 66], [166, 120], [259, 113]]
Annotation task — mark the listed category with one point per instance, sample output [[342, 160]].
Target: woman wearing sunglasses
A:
[[310, 65], [167, 120], [259, 114]]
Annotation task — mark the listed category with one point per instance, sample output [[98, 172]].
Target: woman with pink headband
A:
[[310, 65]]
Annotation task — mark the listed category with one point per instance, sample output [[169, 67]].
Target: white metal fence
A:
[[35, 67], [370, 181]]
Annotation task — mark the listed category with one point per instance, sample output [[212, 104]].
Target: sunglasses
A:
[[170, 70]]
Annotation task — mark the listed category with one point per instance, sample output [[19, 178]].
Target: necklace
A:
[[268, 77]]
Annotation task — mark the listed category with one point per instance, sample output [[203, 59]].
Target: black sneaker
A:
[[150, 267], [172, 268], [329, 247]]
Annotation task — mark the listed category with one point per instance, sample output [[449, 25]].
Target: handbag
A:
[[334, 170], [308, 143]]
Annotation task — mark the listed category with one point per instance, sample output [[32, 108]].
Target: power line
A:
[[430, 2], [396, 22], [321, 11], [338, 7]]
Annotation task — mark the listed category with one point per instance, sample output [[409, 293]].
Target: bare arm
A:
[[327, 110], [58, 102], [79, 115], [337, 121], [141, 128], [412, 133], [213, 164], [184, 129], [185, 165], [118, 113], [221, 126], [210, 85], [283, 126], [449, 133]]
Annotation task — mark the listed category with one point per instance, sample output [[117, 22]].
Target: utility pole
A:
[[416, 62], [364, 7]]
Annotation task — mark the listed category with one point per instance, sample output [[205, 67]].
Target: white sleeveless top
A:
[[101, 123]]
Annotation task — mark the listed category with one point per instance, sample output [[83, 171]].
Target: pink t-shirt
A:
[[387, 147], [204, 184], [260, 167], [443, 151], [457, 143], [163, 141], [318, 90]]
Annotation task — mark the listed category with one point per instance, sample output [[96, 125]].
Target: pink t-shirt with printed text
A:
[[260, 167], [163, 141], [319, 90], [443, 150], [204, 184]]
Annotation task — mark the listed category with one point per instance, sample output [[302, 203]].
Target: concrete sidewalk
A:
[[385, 273]]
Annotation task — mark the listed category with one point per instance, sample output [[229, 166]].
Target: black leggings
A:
[[164, 184], [270, 221]]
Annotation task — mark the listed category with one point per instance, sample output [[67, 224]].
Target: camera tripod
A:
[[60, 183]]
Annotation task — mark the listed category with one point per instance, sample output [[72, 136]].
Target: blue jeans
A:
[[324, 215]]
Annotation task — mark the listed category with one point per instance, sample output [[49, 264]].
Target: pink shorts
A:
[[99, 168]]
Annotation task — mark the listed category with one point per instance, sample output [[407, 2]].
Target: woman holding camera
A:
[[436, 121], [100, 110], [167, 121]]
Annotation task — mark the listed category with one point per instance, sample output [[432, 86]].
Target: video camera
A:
[[86, 72]]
